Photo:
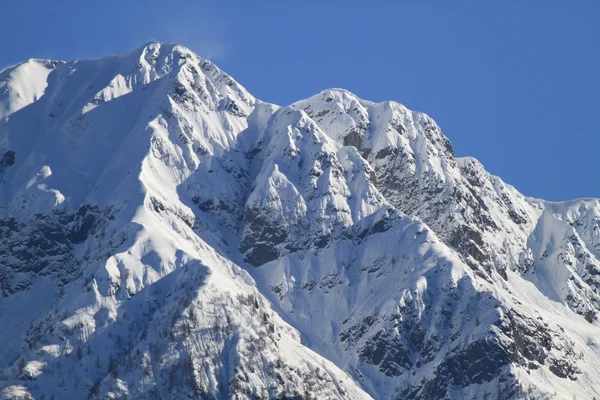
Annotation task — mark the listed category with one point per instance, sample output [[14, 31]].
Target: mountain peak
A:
[[335, 97], [163, 234]]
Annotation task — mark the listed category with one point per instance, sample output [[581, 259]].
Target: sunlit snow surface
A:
[[164, 234]]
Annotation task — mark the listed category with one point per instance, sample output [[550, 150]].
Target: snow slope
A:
[[164, 234]]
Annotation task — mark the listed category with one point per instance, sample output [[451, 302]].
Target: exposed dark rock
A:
[[231, 107], [480, 362], [516, 217], [468, 241], [533, 343], [44, 244], [387, 352], [8, 159], [261, 238], [356, 332], [388, 151], [262, 253], [354, 139]]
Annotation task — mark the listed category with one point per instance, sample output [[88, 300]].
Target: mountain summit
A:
[[164, 234]]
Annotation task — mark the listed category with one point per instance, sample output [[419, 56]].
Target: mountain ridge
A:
[[196, 234]]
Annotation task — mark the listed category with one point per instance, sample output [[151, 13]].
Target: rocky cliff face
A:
[[164, 234]]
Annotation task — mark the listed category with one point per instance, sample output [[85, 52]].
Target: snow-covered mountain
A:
[[164, 234]]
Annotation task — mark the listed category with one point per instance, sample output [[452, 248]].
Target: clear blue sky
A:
[[515, 83]]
